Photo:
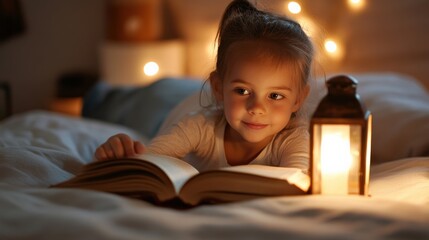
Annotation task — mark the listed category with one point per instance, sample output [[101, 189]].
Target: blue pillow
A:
[[140, 108]]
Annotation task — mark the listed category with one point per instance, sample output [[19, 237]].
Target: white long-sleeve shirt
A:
[[199, 139]]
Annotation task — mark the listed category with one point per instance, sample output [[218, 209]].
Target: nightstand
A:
[[71, 106], [71, 87]]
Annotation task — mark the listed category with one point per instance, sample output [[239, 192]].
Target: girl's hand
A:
[[118, 146]]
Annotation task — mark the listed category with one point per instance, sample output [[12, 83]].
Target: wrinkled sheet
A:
[[39, 148]]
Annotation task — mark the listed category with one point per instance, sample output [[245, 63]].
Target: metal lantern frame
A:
[[341, 107]]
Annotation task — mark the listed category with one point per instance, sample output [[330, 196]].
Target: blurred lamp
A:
[[340, 141], [151, 68], [141, 63]]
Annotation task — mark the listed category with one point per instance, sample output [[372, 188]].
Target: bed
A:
[[40, 148]]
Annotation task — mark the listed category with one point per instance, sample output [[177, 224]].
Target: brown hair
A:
[[241, 21]]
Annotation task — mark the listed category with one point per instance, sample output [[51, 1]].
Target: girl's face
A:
[[258, 95]]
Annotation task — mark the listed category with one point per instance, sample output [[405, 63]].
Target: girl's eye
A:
[[276, 96], [242, 91]]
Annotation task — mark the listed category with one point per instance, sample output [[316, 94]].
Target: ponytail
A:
[[234, 9]]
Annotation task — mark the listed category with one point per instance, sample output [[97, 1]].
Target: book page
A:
[[244, 182], [177, 170], [294, 176]]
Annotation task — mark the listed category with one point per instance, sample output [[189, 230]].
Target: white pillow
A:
[[400, 108]]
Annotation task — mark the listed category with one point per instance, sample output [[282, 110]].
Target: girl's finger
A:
[[127, 144], [138, 147], [116, 146], [100, 154], [108, 150]]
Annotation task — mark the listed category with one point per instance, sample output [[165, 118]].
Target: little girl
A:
[[259, 83]]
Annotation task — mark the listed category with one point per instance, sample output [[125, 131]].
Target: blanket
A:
[[42, 148]]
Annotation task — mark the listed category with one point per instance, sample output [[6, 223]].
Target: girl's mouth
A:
[[255, 126]]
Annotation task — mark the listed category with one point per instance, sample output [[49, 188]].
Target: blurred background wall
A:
[[70, 40]]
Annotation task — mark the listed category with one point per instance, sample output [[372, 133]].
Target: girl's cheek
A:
[[237, 101]]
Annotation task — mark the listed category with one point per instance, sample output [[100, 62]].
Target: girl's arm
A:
[[180, 139]]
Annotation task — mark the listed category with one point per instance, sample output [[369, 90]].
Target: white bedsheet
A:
[[38, 149]]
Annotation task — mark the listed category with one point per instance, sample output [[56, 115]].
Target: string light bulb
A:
[[333, 49], [294, 7], [331, 46], [356, 4]]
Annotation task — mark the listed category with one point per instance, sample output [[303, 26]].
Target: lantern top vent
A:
[[342, 85], [342, 100]]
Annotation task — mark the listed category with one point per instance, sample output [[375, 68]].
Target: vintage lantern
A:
[[340, 141]]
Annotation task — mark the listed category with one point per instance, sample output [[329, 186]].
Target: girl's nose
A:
[[255, 106]]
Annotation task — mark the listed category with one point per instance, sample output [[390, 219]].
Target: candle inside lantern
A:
[[336, 159]]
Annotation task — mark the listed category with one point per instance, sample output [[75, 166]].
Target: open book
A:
[[165, 180]]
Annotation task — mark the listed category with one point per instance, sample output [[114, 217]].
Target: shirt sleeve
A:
[[293, 149], [181, 139]]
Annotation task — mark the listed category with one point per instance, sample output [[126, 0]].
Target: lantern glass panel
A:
[[336, 152]]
